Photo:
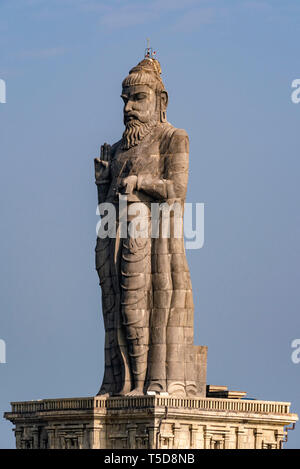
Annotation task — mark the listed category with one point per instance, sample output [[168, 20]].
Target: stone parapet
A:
[[150, 422]]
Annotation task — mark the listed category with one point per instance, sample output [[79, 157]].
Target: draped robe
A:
[[151, 274]]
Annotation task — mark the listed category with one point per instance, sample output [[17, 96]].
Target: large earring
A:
[[163, 116]]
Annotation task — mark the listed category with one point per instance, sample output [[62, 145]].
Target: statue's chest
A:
[[136, 161]]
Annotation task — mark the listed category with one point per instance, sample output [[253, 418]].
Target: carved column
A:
[[194, 432], [51, 437], [18, 434], [93, 437], [171, 442], [279, 435], [258, 438], [207, 438], [132, 436], [227, 439], [240, 437], [177, 431], [80, 440], [35, 435], [152, 432]]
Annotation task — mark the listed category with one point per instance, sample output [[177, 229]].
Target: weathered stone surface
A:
[[147, 297], [150, 422], [152, 367]]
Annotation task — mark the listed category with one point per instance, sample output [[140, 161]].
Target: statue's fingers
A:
[[105, 152], [108, 152], [101, 152]]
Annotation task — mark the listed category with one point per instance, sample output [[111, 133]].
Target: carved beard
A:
[[135, 131]]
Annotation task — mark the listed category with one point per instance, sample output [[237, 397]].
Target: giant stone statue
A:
[[148, 311], [146, 288]]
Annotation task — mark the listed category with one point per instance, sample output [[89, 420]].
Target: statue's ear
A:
[[163, 106], [164, 100]]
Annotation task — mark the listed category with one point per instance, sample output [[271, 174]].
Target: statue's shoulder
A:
[[174, 140]]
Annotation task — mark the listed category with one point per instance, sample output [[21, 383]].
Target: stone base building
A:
[[222, 420]]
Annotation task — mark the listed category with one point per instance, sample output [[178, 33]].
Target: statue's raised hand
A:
[[102, 165]]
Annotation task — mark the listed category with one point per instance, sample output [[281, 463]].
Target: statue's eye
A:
[[140, 96], [125, 98]]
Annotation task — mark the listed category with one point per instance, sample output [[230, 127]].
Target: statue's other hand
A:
[[102, 165], [129, 184]]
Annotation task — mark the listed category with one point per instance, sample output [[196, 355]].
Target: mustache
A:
[[130, 116]]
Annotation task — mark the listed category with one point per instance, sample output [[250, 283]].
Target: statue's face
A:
[[139, 103]]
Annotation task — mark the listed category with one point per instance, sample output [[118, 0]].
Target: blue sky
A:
[[228, 66]]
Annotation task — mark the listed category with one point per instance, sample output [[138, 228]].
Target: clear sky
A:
[[228, 66]]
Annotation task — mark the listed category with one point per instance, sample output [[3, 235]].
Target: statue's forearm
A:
[[102, 190], [173, 185], [155, 187]]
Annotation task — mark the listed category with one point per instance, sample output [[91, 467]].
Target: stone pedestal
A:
[[150, 422]]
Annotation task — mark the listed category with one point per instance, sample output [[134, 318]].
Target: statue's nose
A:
[[128, 106]]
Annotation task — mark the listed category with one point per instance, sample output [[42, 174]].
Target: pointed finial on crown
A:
[[149, 52]]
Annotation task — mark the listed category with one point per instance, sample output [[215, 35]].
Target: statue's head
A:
[[145, 101]]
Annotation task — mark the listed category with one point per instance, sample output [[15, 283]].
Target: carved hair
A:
[[146, 72]]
